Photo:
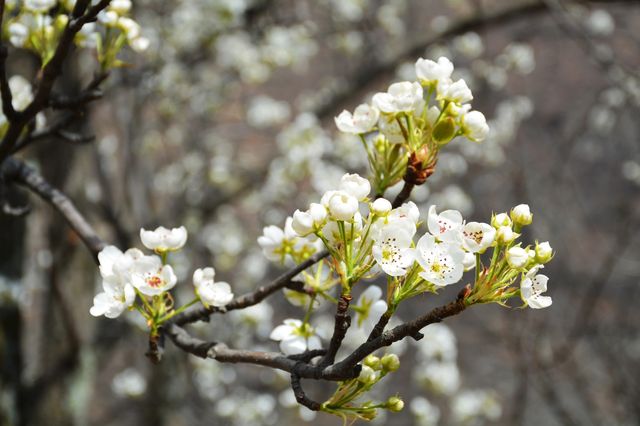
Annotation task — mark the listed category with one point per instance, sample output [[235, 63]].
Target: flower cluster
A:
[[414, 117], [34, 27], [135, 280], [440, 257], [342, 402]]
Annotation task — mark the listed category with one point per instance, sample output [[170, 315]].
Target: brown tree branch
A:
[[252, 298], [17, 171], [341, 325]]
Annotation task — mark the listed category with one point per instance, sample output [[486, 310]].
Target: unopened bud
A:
[[390, 362], [367, 375], [381, 207], [444, 131], [372, 361], [521, 215], [544, 252], [395, 404], [505, 235], [501, 219]]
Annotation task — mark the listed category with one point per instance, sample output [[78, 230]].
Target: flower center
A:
[[154, 281]]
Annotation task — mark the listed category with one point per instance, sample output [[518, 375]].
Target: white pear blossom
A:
[[442, 262], [210, 292], [18, 34], [474, 125], [302, 223], [151, 277], [363, 119], [446, 226], [118, 293], [369, 308], [517, 257], [531, 288], [355, 185], [441, 377], [39, 5], [392, 249], [400, 97], [121, 7], [108, 17], [113, 300], [457, 92], [274, 241], [21, 92], [130, 27], [521, 214], [477, 237], [162, 239], [295, 338], [406, 216], [438, 344], [139, 44], [470, 406], [429, 71]]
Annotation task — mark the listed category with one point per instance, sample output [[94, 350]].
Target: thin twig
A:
[[252, 298]]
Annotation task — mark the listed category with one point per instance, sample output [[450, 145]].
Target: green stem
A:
[[177, 311]]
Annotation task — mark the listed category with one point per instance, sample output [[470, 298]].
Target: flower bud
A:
[[372, 361], [355, 185], [544, 252], [505, 235], [521, 215], [444, 131], [395, 404], [343, 206], [501, 219], [517, 257], [302, 223], [390, 362], [367, 375], [381, 207], [474, 126], [318, 213]]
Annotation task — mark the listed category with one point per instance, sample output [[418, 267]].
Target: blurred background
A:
[[225, 125]]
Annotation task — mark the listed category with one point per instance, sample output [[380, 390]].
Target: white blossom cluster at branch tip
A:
[[33, 26], [414, 118], [134, 280]]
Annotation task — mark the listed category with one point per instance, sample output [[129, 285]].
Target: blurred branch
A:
[[343, 370], [50, 73], [506, 12], [17, 171]]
